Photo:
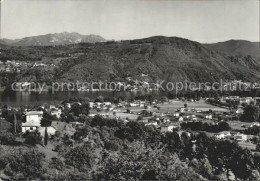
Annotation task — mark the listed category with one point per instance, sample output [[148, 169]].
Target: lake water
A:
[[26, 98]]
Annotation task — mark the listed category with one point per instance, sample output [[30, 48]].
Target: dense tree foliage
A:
[[251, 114], [7, 138], [110, 149], [24, 164], [200, 126]]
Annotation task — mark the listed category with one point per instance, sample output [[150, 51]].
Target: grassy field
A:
[[238, 125], [123, 115], [248, 145], [172, 106]]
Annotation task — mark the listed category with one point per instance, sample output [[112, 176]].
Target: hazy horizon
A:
[[203, 21]]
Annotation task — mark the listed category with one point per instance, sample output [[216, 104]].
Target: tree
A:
[[85, 108], [251, 114], [25, 164], [7, 138], [56, 163], [46, 119], [5, 112], [223, 126], [81, 157], [172, 141], [46, 137], [187, 146], [99, 99], [139, 162], [242, 163], [76, 109], [258, 146]]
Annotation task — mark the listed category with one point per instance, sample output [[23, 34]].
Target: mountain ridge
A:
[[165, 58], [159, 58], [237, 48], [63, 38]]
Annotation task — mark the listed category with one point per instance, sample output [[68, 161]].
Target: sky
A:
[[205, 21]]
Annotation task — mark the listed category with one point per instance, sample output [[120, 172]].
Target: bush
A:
[[27, 164], [111, 145], [56, 163], [81, 157], [32, 138], [7, 138]]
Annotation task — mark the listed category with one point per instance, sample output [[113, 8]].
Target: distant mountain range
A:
[[53, 39], [237, 48], [159, 58]]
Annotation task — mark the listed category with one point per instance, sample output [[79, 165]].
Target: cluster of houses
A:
[[241, 100], [232, 136], [17, 66], [162, 120], [13, 66]]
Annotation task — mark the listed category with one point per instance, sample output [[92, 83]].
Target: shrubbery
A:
[[7, 138], [200, 126]]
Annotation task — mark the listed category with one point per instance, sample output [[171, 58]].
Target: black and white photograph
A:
[[132, 90]]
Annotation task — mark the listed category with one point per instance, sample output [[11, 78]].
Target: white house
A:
[[52, 107], [168, 127], [176, 114], [33, 121], [239, 111], [223, 134], [151, 123], [91, 104], [107, 103], [209, 116], [255, 124], [183, 109], [68, 105], [134, 104], [193, 118], [240, 137], [57, 113], [92, 115], [246, 100], [180, 118]]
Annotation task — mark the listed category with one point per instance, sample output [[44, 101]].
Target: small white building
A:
[[30, 126], [68, 105], [240, 137], [91, 104], [151, 123], [107, 103], [134, 104], [223, 134], [176, 114], [180, 118], [33, 121], [57, 113], [168, 127], [208, 116], [255, 124], [239, 111]]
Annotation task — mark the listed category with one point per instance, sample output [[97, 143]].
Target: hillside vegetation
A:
[[158, 58]]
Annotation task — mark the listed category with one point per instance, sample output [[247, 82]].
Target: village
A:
[[166, 115]]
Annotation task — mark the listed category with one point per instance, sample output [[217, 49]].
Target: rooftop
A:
[[34, 113]]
